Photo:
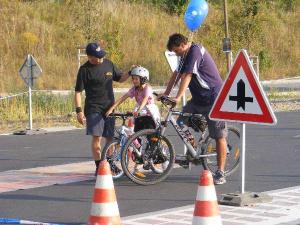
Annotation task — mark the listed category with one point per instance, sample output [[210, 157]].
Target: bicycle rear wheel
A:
[[112, 153], [233, 152], [148, 157]]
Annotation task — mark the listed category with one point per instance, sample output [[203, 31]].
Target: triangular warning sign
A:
[[242, 98]]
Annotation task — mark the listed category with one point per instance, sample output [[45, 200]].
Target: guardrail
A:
[[11, 96], [291, 84], [288, 84]]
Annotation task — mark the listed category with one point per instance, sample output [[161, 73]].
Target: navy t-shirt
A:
[[97, 81], [206, 81]]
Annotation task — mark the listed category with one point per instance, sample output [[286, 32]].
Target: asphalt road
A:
[[272, 162]]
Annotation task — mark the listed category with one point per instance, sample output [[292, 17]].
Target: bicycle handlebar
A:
[[121, 115], [166, 100]]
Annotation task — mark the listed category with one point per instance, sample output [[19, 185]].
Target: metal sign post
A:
[[242, 99], [243, 156], [30, 80], [29, 71]]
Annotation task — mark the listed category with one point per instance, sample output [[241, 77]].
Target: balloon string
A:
[[191, 36], [190, 39]]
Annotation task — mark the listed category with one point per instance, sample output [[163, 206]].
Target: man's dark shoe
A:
[[96, 171], [113, 167], [184, 164], [146, 166], [219, 177], [182, 161], [97, 162]]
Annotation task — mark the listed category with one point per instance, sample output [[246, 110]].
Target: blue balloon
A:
[[195, 14]]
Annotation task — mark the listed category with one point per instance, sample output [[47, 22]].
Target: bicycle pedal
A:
[[180, 158], [182, 161], [147, 166], [184, 164]]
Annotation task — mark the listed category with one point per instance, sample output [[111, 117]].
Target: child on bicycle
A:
[[143, 94], [146, 113]]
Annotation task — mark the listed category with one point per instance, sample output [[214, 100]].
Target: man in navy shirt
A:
[[198, 72]]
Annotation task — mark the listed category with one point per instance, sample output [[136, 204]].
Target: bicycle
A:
[[158, 149], [112, 150]]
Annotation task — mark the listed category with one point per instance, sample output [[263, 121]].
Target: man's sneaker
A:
[[219, 177]]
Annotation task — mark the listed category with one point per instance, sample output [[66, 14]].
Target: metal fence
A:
[[288, 84]]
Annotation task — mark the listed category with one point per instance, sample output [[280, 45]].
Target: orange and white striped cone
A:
[[105, 210], [130, 123], [206, 210]]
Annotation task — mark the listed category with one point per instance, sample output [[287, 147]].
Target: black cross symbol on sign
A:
[[241, 99]]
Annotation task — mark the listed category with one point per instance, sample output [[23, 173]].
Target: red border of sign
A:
[[267, 115]]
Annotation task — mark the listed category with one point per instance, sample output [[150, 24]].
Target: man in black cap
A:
[[96, 77]]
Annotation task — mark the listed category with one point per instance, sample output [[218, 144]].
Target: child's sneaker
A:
[[139, 174]]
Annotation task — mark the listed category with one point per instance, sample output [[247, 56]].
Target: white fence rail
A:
[[292, 84], [288, 84]]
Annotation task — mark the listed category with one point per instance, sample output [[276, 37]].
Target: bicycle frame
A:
[[171, 119], [124, 133]]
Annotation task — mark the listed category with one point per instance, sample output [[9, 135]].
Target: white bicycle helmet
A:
[[141, 72]]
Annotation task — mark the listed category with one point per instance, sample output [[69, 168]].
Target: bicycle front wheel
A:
[[112, 153], [148, 157], [232, 156]]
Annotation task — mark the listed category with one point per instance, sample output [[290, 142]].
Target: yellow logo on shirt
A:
[[109, 74]]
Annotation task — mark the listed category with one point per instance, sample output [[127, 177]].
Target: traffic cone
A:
[[105, 210], [206, 206], [131, 124]]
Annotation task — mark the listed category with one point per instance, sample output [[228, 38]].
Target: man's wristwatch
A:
[[78, 109]]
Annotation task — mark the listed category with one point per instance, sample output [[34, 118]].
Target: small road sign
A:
[[30, 70], [173, 60], [242, 98]]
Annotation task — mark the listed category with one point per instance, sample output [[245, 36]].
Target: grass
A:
[[58, 110], [275, 95], [47, 110]]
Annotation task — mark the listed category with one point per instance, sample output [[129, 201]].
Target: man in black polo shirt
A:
[[96, 77]]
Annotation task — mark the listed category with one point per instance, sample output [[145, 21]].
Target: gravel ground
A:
[[286, 105]]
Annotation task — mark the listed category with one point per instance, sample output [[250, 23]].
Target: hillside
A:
[[135, 32]]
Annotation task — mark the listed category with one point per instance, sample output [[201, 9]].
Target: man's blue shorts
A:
[[97, 125]]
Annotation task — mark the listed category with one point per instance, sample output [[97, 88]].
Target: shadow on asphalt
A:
[[36, 197]]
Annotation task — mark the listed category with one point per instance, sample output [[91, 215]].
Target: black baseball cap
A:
[[94, 49]]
